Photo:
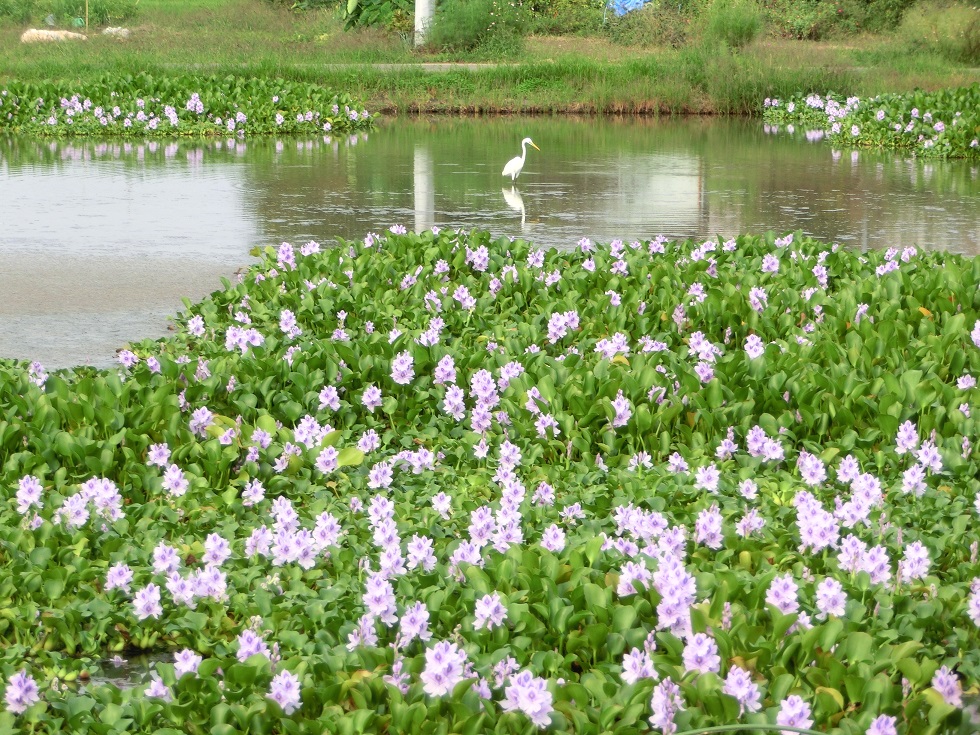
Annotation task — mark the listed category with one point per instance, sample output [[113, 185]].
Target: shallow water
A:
[[100, 241]]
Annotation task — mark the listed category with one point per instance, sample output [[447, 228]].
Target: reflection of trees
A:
[[701, 176], [866, 198]]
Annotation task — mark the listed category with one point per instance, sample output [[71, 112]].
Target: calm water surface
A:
[[100, 241]]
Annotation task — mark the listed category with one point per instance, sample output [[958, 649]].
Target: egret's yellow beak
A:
[[535, 147]]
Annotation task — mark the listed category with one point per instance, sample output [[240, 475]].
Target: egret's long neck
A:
[[523, 150]]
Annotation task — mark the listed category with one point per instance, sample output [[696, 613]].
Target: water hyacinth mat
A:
[[437, 483]]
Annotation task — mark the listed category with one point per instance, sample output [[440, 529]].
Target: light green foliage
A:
[[462, 25], [564, 16], [951, 29], [659, 23], [734, 22], [100, 12]]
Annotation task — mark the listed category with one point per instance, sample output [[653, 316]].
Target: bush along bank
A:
[[434, 481], [943, 124], [147, 106]]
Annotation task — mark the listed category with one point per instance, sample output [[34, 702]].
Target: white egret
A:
[[514, 165]]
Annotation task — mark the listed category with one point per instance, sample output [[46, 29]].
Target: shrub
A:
[[656, 24], [735, 22], [389, 13], [564, 16], [950, 29], [464, 25]]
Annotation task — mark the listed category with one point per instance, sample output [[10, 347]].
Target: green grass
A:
[[584, 74]]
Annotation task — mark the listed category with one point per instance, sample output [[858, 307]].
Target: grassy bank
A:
[[584, 74]]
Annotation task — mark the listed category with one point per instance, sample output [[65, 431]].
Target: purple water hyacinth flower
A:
[[119, 576], [174, 481], [529, 694], [621, 406], [975, 334], [21, 693], [445, 667], [701, 654], [966, 381], [947, 683], [553, 538], [750, 523], [490, 612], [445, 371], [795, 712], [251, 644], [665, 703], [402, 371], [770, 263], [913, 480], [146, 602], [195, 325], [414, 624], [158, 690], [284, 690], [708, 528], [739, 684], [637, 665], [158, 454], [186, 662], [398, 677], [327, 460], [782, 594], [329, 398], [216, 549], [29, 492], [915, 564], [201, 419], [748, 489], [929, 457], [165, 558], [831, 598], [812, 470], [877, 564], [371, 397], [420, 553], [848, 470], [707, 478], [882, 725]]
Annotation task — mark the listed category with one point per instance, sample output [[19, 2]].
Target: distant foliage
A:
[[64, 12], [818, 19], [389, 13], [564, 16], [464, 25], [947, 28], [734, 22], [656, 24]]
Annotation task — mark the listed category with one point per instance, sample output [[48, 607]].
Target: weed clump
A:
[[733, 22], [467, 25]]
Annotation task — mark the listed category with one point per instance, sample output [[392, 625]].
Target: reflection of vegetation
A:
[[748, 179]]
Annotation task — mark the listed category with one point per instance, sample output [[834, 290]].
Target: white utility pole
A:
[[424, 10]]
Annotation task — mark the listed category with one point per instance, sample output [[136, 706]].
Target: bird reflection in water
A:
[[515, 201]]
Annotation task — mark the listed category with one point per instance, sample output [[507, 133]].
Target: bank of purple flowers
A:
[[434, 482], [144, 106], [941, 124]]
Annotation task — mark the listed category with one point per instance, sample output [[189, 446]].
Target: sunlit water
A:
[[99, 242]]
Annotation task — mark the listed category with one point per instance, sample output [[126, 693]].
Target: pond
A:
[[102, 240]]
